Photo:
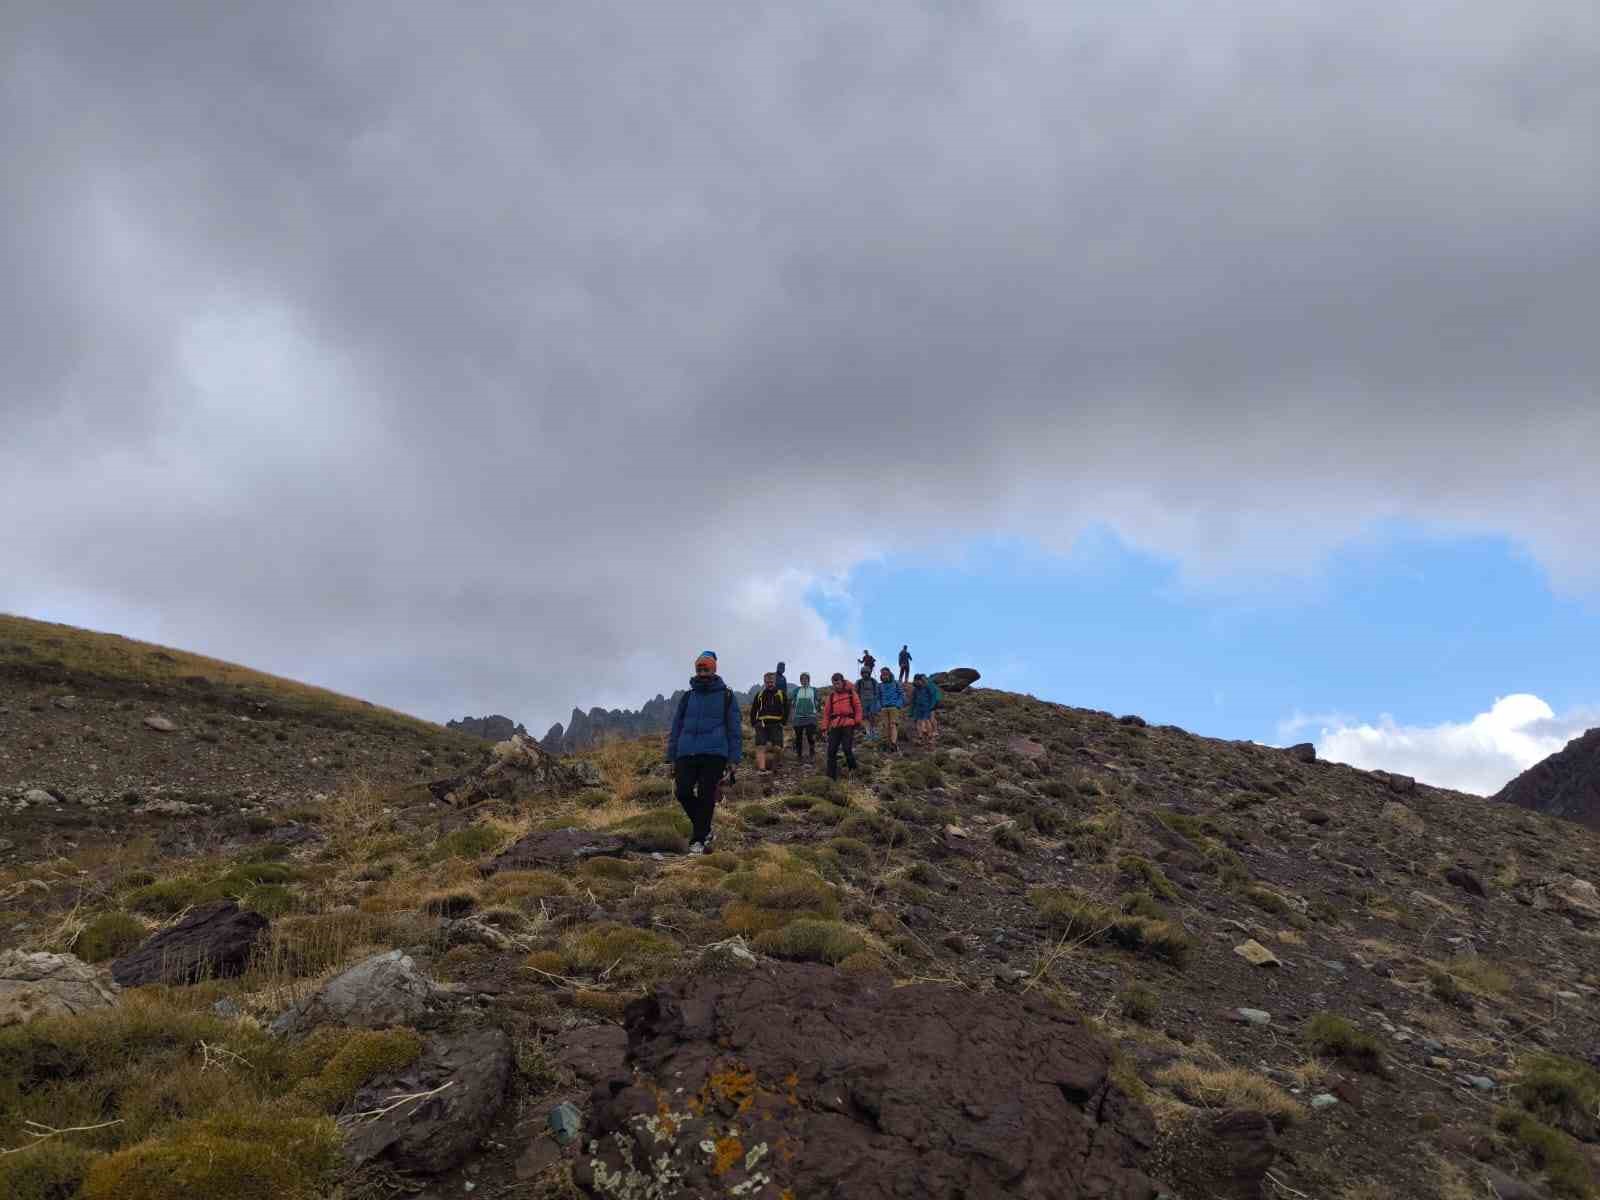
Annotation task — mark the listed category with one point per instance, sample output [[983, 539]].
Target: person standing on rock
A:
[[923, 697], [706, 737], [769, 713], [867, 690], [803, 716], [867, 662], [841, 717], [905, 665], [783, 683], [891, 699]]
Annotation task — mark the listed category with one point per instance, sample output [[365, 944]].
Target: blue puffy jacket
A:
[[890, 695], [707, 722], [923, 697]]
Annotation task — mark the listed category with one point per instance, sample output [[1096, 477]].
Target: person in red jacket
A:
[[841, 717]]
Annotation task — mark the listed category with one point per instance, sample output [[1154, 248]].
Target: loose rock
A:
[[50, 985], [378, 992], [211, 942], [1257, 955], [159, 724]]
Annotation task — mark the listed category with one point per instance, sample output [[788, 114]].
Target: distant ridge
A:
[[1567, 784]]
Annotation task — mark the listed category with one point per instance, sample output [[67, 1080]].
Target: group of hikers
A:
[[706, 741]]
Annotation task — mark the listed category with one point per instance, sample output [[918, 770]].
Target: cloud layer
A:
[[1480, 755], [494, 357]]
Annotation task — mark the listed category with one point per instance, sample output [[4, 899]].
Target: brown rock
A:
[[594, 1052], [1257, 955], [1466, 881], [1224, 1158], [831, 1083]]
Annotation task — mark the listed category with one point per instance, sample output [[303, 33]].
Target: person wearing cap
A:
[[841, 717], [891, 699], [769, 713], [706, 737]]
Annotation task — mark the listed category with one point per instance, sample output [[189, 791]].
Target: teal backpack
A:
[[805, 704]]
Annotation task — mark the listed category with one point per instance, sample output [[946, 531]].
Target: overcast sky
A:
[[497, 357]]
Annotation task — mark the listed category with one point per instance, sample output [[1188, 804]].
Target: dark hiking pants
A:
[[838, 737], [803, 733], [699, 778]]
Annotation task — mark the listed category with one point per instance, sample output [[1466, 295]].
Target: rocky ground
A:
[[1060, 954]]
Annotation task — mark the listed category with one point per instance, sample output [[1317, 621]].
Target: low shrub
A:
[[1232, 1088], [1142, 870], [1009, 837], [1551, 1151], [874, 827], [234, 1156], [1561, 1092], [811, 939], [1267, 900], [1138, 1003], [472, 842], [109, 935], [627, 954], [1332, 1036], [659, 829]]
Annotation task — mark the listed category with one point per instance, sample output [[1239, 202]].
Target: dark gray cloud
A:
[[436, 353]]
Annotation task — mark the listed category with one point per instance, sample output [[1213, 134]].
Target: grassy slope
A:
[[42, 652]]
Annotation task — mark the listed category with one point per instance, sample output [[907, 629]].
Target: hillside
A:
[[1050, 885], [96, 729], [1567, 784]]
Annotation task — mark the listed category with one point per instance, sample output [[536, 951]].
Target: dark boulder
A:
[[1466, 880], [1305, 752], [1403, 785], [1132, 719], [209, 943], [957, 679], [1226, 1157], [553, 848], [460, 1082], [806, 1081], [1567, 784]]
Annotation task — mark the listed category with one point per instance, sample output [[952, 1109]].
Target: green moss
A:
[[659, 829], [225, 1158], [167, 897], [614, 869], [1332, 1036], [760, 815], [361, 1055], [507, 886], [52, 1170], [811, 939], [109, 935]]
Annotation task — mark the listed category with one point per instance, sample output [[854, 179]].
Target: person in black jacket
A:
[[769, 713]]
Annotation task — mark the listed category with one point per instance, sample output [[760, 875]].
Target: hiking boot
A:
[[697, 847], [706, 844]]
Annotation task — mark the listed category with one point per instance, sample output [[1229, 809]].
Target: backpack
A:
[[805, 703]]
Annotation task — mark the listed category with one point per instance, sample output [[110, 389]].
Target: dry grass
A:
[[1230, 1087]]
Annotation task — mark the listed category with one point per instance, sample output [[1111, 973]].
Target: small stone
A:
[[159, 724], [1482, 1082], [954, 831], [565, 1122], [1252, 1016], [1324, 1100], [1438, 1062], [225, 1008], [38, 796], [1257, 955], [1336, 967], [67, 702]]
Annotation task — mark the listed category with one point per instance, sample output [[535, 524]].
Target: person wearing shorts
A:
[[769, 713]]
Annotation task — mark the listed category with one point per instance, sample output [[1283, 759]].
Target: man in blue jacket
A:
[[706, 737], [891, 699]]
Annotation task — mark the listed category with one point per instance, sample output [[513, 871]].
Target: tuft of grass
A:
[[507, 887], [1478, 975], [108, 936], [472, 842], [1561, 1092], [1071, 913], [356, 1056], [811, 939], [880, 828], [1138, 1003], [1551, 1151], [1267, 900], [1141, 904], [452, 902], [657, 829], [1142, 870], [1231, 1087], [621, 952], [1332, 1036], [1009, 837]]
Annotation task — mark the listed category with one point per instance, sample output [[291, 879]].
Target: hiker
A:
[[783, 684], [867, 662], [803, 716], [841, 714], [891, 699], [924, 695], [905, 665], [706, 736], [867, 691], [769, 713]]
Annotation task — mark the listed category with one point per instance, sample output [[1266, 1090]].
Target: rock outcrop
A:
[[518, 768], [50, 985], [494, 728], [957, 679], [1567, 784], [457, 1086], [378, 992], [211, 942], [801, 1080]]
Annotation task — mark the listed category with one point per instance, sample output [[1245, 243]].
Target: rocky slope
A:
[[494, 728], [1060, 954], [1567, 784]]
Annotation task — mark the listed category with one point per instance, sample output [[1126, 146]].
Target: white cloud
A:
[[1479, 755]]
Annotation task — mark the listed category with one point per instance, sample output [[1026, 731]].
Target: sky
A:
[[1230, 363]]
